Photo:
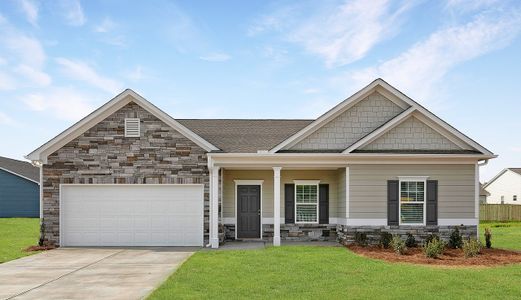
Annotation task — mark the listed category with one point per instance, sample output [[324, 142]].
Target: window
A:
[[132, 127], [502, 199], [306, 202], [412, 201], [514, 198]]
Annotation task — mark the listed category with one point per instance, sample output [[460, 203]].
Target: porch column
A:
[[214, 207], [276, 206]]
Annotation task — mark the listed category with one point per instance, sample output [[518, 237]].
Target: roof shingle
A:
[[19, 167]]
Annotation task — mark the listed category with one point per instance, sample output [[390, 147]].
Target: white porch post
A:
[[276, 206], [214, 207]]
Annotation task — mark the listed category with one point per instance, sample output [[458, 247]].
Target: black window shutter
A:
[[289, 203], [323, 204], [432, 202], [392, 202]]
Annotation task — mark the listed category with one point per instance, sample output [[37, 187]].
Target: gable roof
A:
[[127, 96], [515, 170], [20, 168], [410, 106], [482, 191], [244, 136]]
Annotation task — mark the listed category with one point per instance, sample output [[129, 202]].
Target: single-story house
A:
[[505, 187], [19, 189], [130, 174]]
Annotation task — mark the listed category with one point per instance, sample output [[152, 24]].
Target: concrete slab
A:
[[94, 273], [242, 245]]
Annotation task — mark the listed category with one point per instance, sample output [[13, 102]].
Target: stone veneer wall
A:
[[292, 232], [103, 155], [346, 234]]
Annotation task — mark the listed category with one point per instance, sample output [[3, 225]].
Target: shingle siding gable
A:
[[412, 134], [353, 124]]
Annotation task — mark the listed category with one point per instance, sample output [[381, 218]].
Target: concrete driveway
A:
[[93, 273]]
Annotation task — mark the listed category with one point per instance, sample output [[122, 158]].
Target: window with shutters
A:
[[306, 201], [412, 207], [132, 127]]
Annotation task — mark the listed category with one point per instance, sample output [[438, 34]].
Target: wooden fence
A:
[[500, 212]]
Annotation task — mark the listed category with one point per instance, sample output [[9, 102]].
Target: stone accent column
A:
[[214, 207], [276, 206]]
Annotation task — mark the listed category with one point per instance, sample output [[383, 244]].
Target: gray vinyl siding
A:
[[19, 197], [368, 189], [286, 176], [341, 199]]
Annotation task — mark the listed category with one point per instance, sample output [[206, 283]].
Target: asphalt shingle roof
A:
[[244, 136], [20, 167], [517, 170]]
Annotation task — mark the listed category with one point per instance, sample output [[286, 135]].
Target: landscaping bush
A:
[[410, 242], [361, 239], [434, 248], [385, 239], [455, 239], [471, 247], [488, 238], [430, 238], [398, 245]]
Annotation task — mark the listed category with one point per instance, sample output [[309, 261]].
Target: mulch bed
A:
[[451, 257], [39, 248]]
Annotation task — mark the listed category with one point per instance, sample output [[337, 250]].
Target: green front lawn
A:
[[17, 234], [293, 272], [506, 235]]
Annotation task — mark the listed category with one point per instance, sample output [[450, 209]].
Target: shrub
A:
[[361, 239], [410, 242], [398, 245], [430, 238], [488, 238], [434, 248], [455, 239], [471, 247], [385, 239]]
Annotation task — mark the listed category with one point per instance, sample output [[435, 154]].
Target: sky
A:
[[59, 60]]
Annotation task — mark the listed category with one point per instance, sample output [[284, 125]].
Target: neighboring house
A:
[[129, 174], [505, 187], [19, 189], [483, 194]]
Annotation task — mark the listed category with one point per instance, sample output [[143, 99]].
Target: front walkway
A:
[[93, 273]]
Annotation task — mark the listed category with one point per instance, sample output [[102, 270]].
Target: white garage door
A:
[[131, 215]]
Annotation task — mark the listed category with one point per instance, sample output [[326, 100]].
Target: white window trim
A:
[[307, 182], [138, 127], [412, 179], [248, 182]]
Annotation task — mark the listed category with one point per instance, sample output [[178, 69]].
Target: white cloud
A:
[[421, 68], [469, 5], [63, 103], [36, 76], [28, 49], [73, 12], [105, 26], [6, 82], [82, 71], [515, 149], [340, 34], [216, 57], [30, 9], [136, 74], [5, 119]]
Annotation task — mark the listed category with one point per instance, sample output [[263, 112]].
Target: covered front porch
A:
[[285, 202]]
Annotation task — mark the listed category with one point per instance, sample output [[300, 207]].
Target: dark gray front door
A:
[[248, 211]]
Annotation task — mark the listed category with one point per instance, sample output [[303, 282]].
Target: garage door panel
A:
[[132, 215]]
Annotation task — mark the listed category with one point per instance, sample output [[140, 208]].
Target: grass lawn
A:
[[17, 234], [294, 272], [506, 235]]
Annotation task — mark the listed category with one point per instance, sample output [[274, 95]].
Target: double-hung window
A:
[[306, 201], [412, 200]]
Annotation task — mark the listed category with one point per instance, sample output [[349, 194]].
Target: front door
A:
[[248, 211]]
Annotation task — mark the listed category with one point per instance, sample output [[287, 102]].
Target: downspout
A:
[[478, 188]]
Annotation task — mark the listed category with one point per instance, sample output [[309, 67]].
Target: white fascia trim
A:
[[306, 182], [21, 176], [366, 222], [332, 113], [435, 118], [455, 222], [380, 131], [248, 182], [413, 178], [127, 96]]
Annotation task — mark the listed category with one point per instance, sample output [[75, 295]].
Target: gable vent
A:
[[132, 127]]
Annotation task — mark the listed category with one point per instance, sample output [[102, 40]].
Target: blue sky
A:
[[61, 59]]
